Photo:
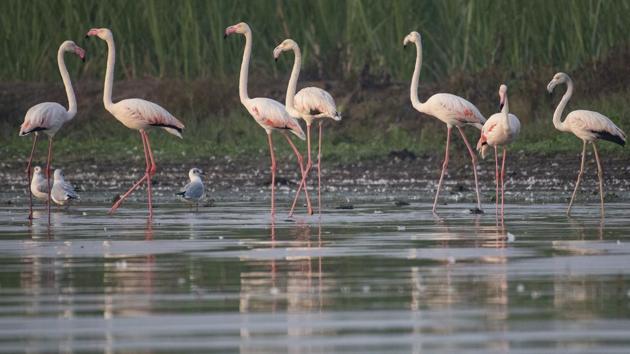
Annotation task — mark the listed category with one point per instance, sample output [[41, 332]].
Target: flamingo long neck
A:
[[242, 84], [557, 115], [109, 73], [505, 111], [67, 83], [413, 92], [295, 74]]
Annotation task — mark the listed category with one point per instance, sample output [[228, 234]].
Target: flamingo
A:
[[49, 117], [499, 130], [308, 104], [135, 113], [587, 125], [453, 110], [269, 114]]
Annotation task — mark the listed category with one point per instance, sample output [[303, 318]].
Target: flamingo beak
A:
[[276, 53], [80, 52], [551, 86], [229, 31], [92, 32]]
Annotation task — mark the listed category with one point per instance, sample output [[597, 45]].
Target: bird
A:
[[453, 110], [62, 192], [499, 130], [588, 126], [39, 187], [193, 191], [137, 114], [308, 104], [269, 114], [49, 117]]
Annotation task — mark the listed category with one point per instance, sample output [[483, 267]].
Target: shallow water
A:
[[377, 278]]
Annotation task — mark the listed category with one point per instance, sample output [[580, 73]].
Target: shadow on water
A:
[[377, 278]]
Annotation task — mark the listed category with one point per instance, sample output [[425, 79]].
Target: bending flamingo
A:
[[310, 103], [136, 114], [499, 130], [453, 110], [587, 125], [48, 117], [269, 114]]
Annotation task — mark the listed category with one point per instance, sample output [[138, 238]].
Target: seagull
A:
[[39, 187], [62, 192], [193, 192]]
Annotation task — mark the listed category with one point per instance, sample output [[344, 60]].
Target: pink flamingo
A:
[[310, 103], [49, 117], [499, 130], [136, 114], [450, 109], [587, 125], [269, 114]]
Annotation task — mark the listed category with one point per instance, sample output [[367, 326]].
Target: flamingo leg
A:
[[273, 176], [28, 176], [600, 175], [496, 176], [579, 177], [473, 158], [503, 184], [444, 167], [150, 170], [50, 141], [303, 182], [319, 170], [138, 183], [309, 164]]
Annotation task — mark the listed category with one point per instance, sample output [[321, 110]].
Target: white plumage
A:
[[62, 192], [317, 103], [39, 187], [136, 113], [272, 115], [47, 117], [193, 191]]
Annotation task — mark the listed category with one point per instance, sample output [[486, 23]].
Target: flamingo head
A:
[[102, 33], [195, 172], [287, 44], [558, 78], [240, 28], [70, 46], [502, 95], [413, 37]]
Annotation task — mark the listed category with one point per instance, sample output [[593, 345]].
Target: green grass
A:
[[184, 39]]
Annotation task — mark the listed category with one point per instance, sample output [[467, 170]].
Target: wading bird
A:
[[309, 104], [48, 117], [193, 191], [269, 114], [587, 125], [453, 110], [39, 188], [137, 114], [499, 130], [62, 192]]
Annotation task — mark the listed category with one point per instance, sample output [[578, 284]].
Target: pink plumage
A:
[[272, 115], [138, 114]]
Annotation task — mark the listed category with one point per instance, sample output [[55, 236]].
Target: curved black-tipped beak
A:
[[86, 36], [224, 35], [404, 46], [500, 106], [275, 59]]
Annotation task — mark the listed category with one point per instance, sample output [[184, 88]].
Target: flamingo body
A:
[[496, 133], [271, 115], [136, 113], [453, 110], [591, 126], [47, 117], [313, 102]]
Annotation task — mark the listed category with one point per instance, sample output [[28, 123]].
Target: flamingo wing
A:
[[455, 108], [149, 114], [592, 125], [47, 117], [315, 101], [271, 114]]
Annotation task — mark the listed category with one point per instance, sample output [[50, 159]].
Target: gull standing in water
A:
[[193, 192], [62, 192], [39, 186]]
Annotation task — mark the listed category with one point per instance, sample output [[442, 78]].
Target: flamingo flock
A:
[[308, 104]]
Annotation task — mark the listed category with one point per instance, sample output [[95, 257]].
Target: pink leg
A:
[[50, 140], [150, 171], [319, 170], [138, 183], [305, 173], [303, 182], [579, 177], [28, 176], [503, 184], [444, 167], [496, 176], [273, 176], [600, 176], [473, 158]]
